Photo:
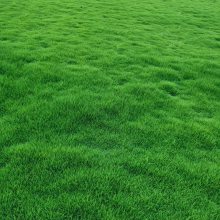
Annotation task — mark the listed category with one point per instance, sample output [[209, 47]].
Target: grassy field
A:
[[109, 109]]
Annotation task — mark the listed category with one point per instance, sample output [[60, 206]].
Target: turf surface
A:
[[109, 109]]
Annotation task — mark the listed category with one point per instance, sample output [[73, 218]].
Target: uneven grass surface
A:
[[109, 109]]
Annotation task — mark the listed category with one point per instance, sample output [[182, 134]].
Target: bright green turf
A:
[[109, 109]]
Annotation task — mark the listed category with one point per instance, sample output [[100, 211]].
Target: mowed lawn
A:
[[109, 109]]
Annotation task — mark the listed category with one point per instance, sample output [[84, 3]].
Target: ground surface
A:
[[109, 109]]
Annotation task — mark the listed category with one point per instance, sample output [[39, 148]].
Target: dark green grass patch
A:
[[109, 109]]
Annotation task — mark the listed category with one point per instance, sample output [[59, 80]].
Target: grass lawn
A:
[[109, 109]]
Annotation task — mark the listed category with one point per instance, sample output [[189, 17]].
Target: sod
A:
[[109, 110]]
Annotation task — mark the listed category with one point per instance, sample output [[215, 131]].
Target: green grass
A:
[[109, 109]]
